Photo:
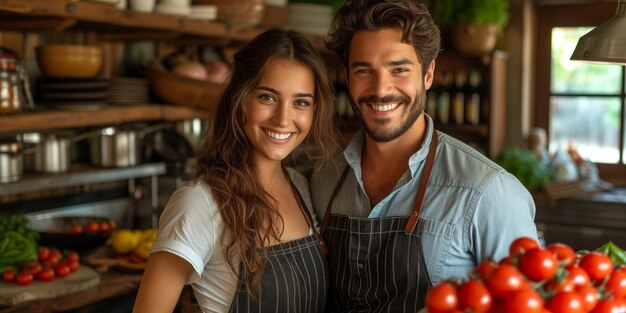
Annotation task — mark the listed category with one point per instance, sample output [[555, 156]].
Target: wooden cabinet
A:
[[475, 88]]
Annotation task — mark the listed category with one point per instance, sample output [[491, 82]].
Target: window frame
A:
[[572, 15]]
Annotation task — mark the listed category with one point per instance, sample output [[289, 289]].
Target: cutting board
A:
[[121, 263], [83, 278]]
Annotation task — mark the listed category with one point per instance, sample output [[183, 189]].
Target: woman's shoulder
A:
[[194, 196]]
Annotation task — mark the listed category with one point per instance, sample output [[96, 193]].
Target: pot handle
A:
[[153, 128], [85, 135]]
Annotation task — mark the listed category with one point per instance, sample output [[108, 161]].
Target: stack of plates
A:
[[173, 7], [203, 12], [72, 93], [237, 13], [126, 90], [310, 18]]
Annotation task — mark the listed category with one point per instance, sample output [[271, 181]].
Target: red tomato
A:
[[72, 256], [485, 268], [504, 280], [538, 264], [44, 253], [564, 253], [46, 274], [93, 227], [616, 284], [9, 276], [76, 229], [104, 226], [524, 301], [522, 244], [509, 260], [442, 298], [473, 295], [597, 265], [565, 285], [32, 267], [609, 305], [61, 270], [589, 295], [566, 302], [54, 257], [72, 265], [24, 278], [578, 275]]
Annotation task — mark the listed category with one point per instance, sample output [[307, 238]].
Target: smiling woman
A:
[[245, 230]]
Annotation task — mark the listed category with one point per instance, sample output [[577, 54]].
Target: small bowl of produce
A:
[[72, 232]]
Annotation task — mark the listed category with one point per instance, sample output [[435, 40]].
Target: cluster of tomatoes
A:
[[51, 263], [94, 226], [536, 280]]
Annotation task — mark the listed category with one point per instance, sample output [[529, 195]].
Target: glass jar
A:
[[14, 85]]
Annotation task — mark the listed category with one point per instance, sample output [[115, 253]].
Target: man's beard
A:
[[410, 115]]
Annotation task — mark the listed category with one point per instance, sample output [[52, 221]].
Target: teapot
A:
[[15, 91]]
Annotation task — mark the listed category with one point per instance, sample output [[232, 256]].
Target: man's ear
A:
[[428, 76]]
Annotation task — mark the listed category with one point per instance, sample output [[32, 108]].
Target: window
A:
[[580, 104]]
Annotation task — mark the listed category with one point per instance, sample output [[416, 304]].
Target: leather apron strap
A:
[[419, 199]]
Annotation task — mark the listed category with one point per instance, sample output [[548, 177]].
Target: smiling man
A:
[[405, 206]]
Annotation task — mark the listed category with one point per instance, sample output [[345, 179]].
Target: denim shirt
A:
[[472, 211]]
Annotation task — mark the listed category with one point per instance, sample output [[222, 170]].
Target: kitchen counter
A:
[[584, 222]]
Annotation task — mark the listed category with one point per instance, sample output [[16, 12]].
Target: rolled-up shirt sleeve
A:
[[186, 228]]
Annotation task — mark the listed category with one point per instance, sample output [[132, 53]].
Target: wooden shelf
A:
[[105, 116], [109, 22]]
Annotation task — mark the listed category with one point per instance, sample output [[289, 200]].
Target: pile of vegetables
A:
[[537, 280], [18, 244]]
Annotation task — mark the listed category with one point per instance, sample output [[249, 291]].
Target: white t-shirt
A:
[[191, 228]]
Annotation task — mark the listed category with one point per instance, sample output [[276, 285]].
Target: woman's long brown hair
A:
[[226, 164]]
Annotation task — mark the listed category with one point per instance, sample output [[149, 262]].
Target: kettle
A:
[[15, 91]]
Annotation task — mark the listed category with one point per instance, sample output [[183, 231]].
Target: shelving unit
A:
[[81, 176], [105, 116]]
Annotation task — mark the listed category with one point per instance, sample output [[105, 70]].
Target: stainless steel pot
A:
[[10, 161], [114, 147], [193, 130], [46, 153]]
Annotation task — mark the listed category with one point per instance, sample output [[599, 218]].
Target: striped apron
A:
[[295, 278], [377, 264]]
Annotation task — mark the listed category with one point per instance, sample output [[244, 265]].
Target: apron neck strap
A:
[[306, 213], [419, 199]]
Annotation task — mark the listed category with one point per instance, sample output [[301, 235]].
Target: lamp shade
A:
[[605, 43]]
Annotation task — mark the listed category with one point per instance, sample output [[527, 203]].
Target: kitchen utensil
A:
[[11, 161], [193, 130], [66, 60], [15, 91], [46, 153], [57, 231], [169, 145], [83, 278], [115, 147], [184, 91]]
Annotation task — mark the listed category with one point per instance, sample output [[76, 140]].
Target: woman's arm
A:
[[162, 282]]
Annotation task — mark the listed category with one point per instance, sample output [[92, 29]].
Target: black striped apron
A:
[[295, 278], [377, 264]]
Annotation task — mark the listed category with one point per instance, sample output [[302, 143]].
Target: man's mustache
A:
[[384, 99]]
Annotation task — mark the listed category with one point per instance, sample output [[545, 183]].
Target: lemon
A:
[[143, 250], [125, 241], [148, 235]]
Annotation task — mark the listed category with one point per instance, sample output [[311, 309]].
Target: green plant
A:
[[454, 12], [525, 166]]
